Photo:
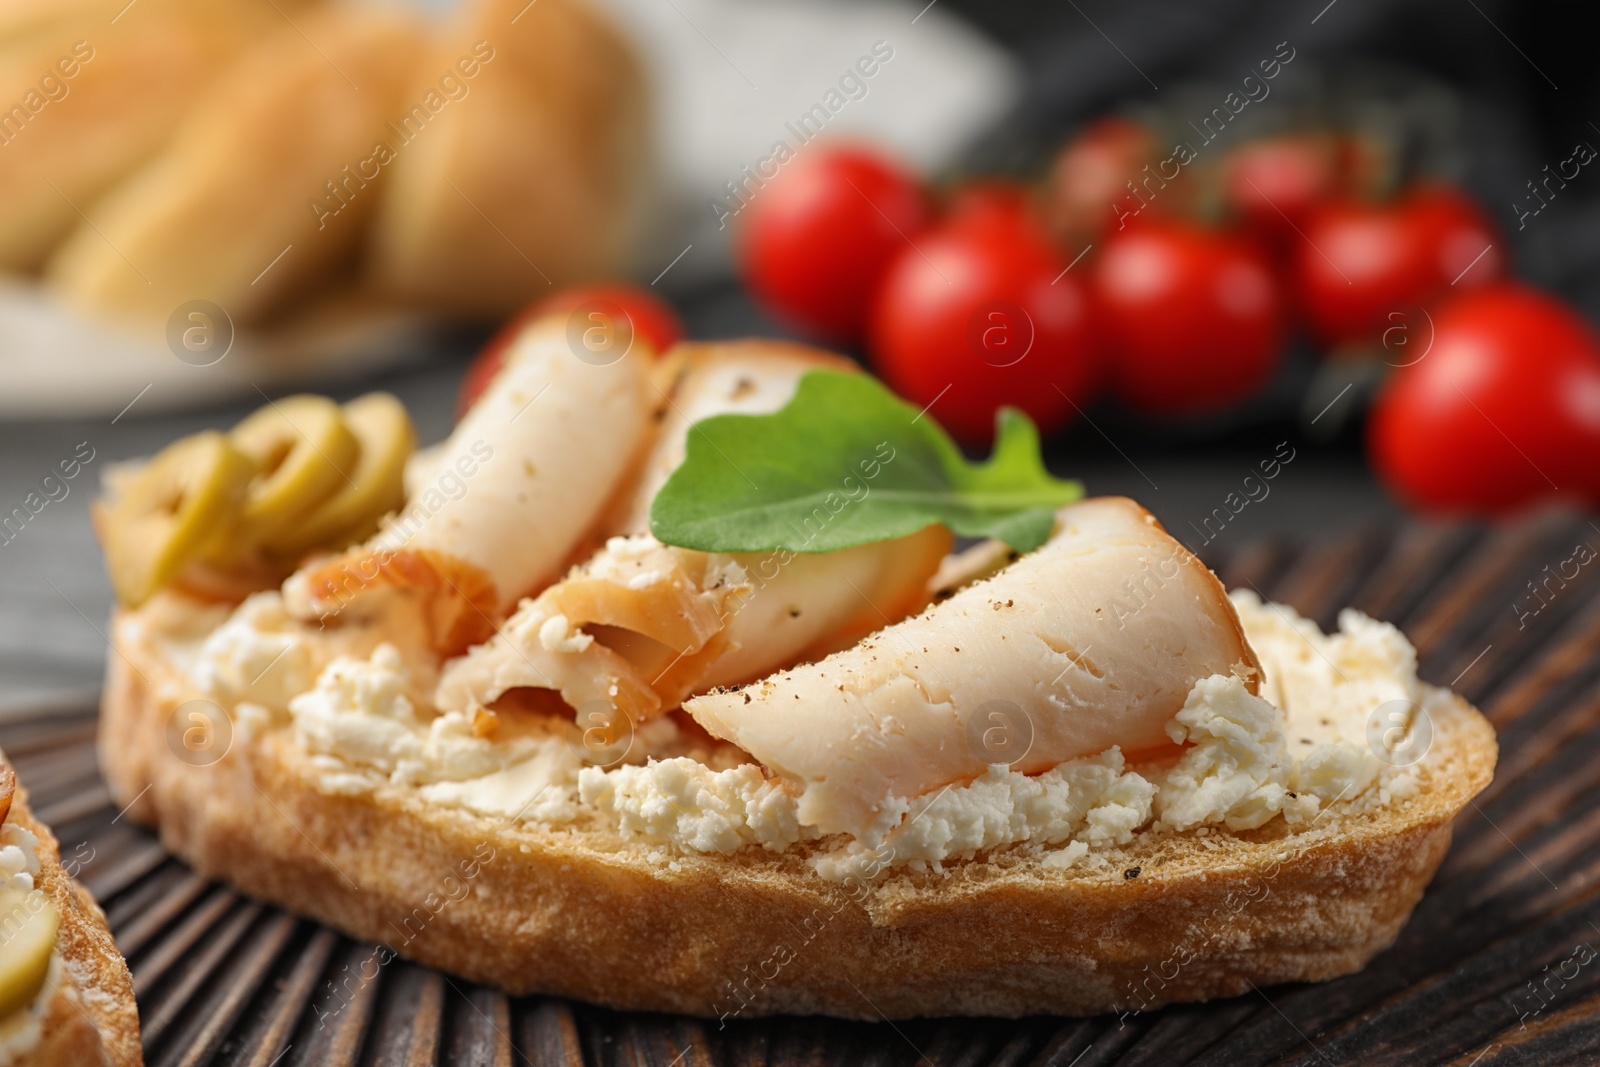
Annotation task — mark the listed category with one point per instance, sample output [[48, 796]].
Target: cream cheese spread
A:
[[19, 857], [1290, 752], [256, 655]]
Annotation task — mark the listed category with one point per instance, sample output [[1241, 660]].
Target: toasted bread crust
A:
[[589, 914], [92, 1018]]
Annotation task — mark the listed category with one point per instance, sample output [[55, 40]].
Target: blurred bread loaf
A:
[[20, 18], [526, 174], [228, 211], [85, 99], [256, 153]]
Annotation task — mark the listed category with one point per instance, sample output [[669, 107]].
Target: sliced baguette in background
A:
[[225, 213], [108, 93], [532, 178], [589, 914]]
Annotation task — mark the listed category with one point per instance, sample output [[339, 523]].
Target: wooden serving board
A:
[[225, 980]]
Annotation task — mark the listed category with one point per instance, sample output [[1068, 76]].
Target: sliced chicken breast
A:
[[690, 620], [697, 381], [1092, 641], [508, 499]]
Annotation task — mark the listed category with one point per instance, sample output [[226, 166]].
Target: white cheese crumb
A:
[[359, 712], [1062, 858], [19, 857], [683, 800], [1094, 800], [1237, 770], [557, 635], [645, 579], [255, 655]]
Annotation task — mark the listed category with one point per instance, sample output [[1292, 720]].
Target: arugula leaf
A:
[[844, 463]]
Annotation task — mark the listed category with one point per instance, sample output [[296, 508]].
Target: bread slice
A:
[[91, 1019], [591, 914], [90, 91], [273, 163], [534, 178]]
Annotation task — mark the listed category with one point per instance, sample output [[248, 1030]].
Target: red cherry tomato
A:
[[1502, 408], [990, 202], [1273, 185], [1464, 246], [817, 238], [1193, 318], [977, 316], [650, 318], [1089, 179], [484, 366], [1359, 261]]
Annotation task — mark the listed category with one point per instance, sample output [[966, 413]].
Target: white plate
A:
[[57, 363]]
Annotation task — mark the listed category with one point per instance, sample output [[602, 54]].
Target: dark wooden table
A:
[[1495, 967]]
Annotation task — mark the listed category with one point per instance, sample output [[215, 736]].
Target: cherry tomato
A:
[[1090, 177], [484, 366], [977, 316], [1502, 408], [816, 239], [1273, 185], [649, 317], [1464, 245], [990, 201], [1359, 261], [1193, 318]]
